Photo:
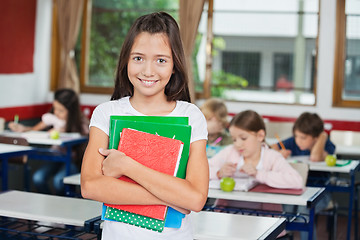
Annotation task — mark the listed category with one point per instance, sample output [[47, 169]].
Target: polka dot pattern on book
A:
[[134, 219]]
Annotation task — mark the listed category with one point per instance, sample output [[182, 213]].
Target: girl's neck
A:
[[152, 106], [254, 159]]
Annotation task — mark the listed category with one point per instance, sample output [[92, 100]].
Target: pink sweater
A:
[[272, 170]]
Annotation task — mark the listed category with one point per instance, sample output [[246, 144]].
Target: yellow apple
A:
[[330, 160], [54, 134]]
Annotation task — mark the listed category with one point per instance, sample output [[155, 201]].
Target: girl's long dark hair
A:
[[69, 99], [74, 122], [159, 22]]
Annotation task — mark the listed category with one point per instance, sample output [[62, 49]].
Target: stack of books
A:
[[160, 143]]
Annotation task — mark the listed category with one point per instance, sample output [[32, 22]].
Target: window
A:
[[245, 64], [105, 25], [347, 55], [283, 70], [265, 42]]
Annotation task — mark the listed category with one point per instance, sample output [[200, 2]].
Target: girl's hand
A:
[[249, 169], [115, 162], [227, 170], [16, 127]]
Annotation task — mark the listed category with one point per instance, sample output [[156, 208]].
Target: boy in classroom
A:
[[216, 114], [309, 139], [65, 116], [151, 80]]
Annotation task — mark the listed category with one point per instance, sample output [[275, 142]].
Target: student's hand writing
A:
[[16, 127], [285, 152], [248, 169], [227, 170], [114, 162]]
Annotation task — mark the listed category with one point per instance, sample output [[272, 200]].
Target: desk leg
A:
[[4, 173], [351, 202], [68, 165], [311, 223]]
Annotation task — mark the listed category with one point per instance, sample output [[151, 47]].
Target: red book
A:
[[266, 189], [159, 153]]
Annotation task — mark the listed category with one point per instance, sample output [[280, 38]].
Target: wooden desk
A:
[[66, 140], [7, 151], [77, 214], [309, 198], [72, 179], [220, 226], [214, 225], [48, 208]]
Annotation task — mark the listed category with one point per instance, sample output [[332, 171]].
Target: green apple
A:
[[330, 160], [227, 184], [54, 134]]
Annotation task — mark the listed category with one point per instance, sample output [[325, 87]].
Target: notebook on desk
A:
[[241, 184], [266, 189]]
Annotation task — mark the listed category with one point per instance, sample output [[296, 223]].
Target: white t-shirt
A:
[[51, 120], [100, 119]]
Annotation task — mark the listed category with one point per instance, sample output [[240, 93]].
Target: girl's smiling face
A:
[[246, 142], [150, 64]]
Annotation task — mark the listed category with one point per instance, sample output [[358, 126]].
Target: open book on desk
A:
[[241, 184]]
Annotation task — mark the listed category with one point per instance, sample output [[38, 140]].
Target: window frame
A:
[[340, 57]]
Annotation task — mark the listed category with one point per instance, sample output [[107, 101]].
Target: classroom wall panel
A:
[[17, 45]]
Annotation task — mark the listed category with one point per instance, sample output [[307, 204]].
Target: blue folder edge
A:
[[173, 217]]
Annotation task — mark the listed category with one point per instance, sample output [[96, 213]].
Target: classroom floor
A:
[[322, 231]]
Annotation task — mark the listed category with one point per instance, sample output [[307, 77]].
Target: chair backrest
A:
[[303, 170], [15, 141], [282, 129], [347, 138]]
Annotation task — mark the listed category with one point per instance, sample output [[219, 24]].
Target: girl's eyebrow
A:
[[158, 55]]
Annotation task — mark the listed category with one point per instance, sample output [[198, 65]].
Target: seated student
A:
[[309, 138], [216, 115], [65, 116], [249, 154]]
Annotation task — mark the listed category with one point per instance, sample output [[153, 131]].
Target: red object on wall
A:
[[17, 30]]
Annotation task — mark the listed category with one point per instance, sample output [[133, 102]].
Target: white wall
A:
[[33, 88]]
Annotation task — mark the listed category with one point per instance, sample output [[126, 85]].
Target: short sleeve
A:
[[100, 119], [198, 125], [329, 147]]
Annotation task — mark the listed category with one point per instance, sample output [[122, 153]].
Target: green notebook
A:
[[173, 127]]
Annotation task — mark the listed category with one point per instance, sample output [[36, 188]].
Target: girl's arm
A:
[[17, 127], [189, 193], [96, 186], [280, 175], [98, 178], [318, 153]]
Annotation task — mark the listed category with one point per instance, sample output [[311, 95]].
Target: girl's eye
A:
[[137, 59], [243, 138], [161, 60]]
